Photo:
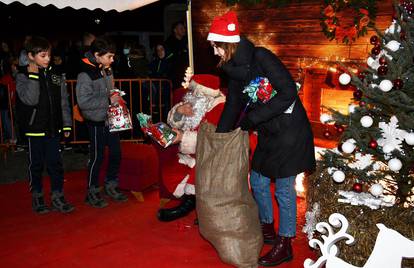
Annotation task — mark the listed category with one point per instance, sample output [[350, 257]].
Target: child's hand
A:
[[66, 134], [32, 67], [116, 99], [185, 109], [179, 136]]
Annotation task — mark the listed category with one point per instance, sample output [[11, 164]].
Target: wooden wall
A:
[[292, 31]]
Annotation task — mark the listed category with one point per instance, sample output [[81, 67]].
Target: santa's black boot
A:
[[183, 209]]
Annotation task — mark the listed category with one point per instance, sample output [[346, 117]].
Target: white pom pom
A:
[[338, 176], [388, 148], [385, 85], [395, 164], [376, 189], [366, 121], [370, 61], [344, 79], [231, 27], [325, 118], [393, 45], [394, 27], [351, 108], [409, 138], [348, 147]]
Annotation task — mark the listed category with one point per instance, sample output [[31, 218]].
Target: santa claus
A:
[[204, 102]]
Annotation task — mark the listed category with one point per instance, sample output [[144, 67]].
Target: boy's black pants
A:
[[99, 137], [43, 150]]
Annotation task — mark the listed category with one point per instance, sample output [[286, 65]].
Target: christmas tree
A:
[[370, 176]]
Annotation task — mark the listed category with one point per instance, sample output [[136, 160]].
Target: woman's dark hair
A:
[[103, 45], [37, 44], [229, 49]]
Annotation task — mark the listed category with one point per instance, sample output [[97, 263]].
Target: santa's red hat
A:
[[206, 84], [225, 29]]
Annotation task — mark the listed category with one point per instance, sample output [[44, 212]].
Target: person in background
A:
[[43, 113], [93, 95], [285, 141], [160, 66], [177, 46]]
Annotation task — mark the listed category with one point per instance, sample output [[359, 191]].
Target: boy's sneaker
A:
[[60, 204], [113, 191], [38, 203], [94, 198]]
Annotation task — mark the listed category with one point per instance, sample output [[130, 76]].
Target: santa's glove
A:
[[246, 124]]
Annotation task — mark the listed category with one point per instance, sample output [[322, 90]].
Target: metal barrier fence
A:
[[150, 96]]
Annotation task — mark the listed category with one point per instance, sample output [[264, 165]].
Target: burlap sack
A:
[[227, 213]]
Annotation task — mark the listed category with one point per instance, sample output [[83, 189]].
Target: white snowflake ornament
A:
[[391, 135]]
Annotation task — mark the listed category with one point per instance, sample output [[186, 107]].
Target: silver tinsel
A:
[[364, 199], [311, 220]]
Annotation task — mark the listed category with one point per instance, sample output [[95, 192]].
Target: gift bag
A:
[[227, 213], [119, 118], [160, 132]]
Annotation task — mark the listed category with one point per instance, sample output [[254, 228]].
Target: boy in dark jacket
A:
[[93, 96], [43, 113]]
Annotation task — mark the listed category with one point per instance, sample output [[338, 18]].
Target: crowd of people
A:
[[285, 141], [169, 60]]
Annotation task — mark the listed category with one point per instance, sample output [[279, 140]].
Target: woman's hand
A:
[[179, 136], [185, 109]]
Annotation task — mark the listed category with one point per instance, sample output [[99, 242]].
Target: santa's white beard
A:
[[201, 104]]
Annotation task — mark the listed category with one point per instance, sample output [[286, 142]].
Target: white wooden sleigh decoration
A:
[[389, 250]]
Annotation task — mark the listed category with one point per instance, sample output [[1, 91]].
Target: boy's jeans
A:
[[286, 197]]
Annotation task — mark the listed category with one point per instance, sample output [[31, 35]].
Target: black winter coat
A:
[[285, 140]]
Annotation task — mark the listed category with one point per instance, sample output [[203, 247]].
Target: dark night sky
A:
[[17, 19]]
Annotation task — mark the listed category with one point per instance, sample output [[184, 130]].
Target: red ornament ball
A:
[[362, 103], [327, 134], [398, 83], [361, 76], [373, 144], [357, 94], [382, 70], [383, 61], [376, 50], [357, 187], [374, 40]]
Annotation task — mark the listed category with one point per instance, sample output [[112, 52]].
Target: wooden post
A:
[[190, 36]]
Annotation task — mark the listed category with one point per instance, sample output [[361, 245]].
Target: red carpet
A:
[[121, 235]]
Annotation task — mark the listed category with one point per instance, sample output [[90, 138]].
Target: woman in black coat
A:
[[285, 141]]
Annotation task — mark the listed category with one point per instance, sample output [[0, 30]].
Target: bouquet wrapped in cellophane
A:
[[160, 132], [119, 118]]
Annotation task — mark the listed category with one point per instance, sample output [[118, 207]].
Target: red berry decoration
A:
[[382, 70], [373, 144], [340, 129], [398, 84], [361, 76], [357, 187], [327, 134], [376, 50], [357, 94], [383, 61], [374, 40], [362, 103]]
